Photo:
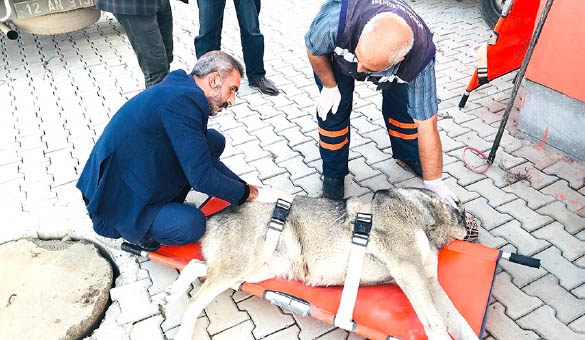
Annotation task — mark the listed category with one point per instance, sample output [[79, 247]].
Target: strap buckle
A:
[[361, 229], [279, 215]]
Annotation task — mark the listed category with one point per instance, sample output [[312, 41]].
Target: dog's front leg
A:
[[456, 324], [408, 270], [411, 280]]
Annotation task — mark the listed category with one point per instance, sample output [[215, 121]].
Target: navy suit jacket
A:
[[151, 150]]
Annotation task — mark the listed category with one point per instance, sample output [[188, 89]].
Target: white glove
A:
[[439, 187], [328, 101]]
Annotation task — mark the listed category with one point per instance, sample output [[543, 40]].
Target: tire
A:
[[491, 10], [58, 23]]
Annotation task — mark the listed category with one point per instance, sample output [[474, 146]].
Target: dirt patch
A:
[[88, 297], [513, 176]]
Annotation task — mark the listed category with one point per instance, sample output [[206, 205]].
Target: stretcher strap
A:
[[359, 241], [482, 64], [275, 226]]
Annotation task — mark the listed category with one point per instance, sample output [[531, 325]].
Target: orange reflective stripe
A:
[[403, 135], [402, 125], [333, 133], [333, 146]]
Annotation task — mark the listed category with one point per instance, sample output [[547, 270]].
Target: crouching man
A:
[[155, 149]]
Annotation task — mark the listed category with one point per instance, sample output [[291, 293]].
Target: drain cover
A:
[[51, 289]]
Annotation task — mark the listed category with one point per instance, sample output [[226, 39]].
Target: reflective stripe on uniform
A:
[[339, 133], [402, 125], [333, 146], [403, 135]]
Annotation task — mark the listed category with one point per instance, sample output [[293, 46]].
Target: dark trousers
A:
[[151, 38], [210, 26], [334, 132], [177, 223]]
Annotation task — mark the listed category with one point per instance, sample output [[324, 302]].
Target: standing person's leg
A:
[[165, 22], [210, 25], [401, 127], [334, 137], [145, 37], [252, 39], [253, 45]]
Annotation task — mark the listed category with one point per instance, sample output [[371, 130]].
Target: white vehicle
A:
[[45, 17]]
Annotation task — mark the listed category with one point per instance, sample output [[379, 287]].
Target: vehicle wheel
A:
[[58, 23], [491, 10]]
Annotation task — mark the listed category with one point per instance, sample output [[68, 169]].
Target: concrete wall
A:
[[562, 115]]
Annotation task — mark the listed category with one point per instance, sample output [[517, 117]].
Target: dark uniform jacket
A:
[[152, 149], [354, 16]]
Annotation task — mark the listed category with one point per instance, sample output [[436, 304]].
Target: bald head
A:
[[385, 40]]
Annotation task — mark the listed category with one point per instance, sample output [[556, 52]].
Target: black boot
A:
[[333, 188], [148, 244]]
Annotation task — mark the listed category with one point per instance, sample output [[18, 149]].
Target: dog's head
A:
[[424, 209], [450, 222]]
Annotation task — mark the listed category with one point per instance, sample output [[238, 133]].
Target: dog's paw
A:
[[161, 299], [171, 295]]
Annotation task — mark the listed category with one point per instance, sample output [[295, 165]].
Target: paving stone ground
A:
[[57, 93]]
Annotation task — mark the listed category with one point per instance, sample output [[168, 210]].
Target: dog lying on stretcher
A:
[[408, 228]]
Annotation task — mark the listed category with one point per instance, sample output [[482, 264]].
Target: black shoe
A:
[[333, 188], [265, 86], [148, 244], [413, 166]]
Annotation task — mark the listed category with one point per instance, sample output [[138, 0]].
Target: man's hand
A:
[[328, 101], [253, 193], [441, 189]]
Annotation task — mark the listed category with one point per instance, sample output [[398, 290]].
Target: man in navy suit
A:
[[155, 149]]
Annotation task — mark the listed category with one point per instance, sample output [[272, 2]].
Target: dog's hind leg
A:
[[193, 270], [211, 288], [456, 324]]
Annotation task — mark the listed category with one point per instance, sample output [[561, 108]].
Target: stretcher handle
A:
[[132, 249], [463, 100], [523, 260]]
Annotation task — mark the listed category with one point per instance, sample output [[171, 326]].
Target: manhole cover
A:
[[51, 289]]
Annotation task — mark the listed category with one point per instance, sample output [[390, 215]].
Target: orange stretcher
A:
[[466, 273]]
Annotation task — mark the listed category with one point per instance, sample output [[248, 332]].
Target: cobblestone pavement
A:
[[58, 92]]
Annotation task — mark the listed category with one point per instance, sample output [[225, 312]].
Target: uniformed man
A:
[[387, 43]]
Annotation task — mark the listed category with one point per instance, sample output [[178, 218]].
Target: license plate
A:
[[33, 8]]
